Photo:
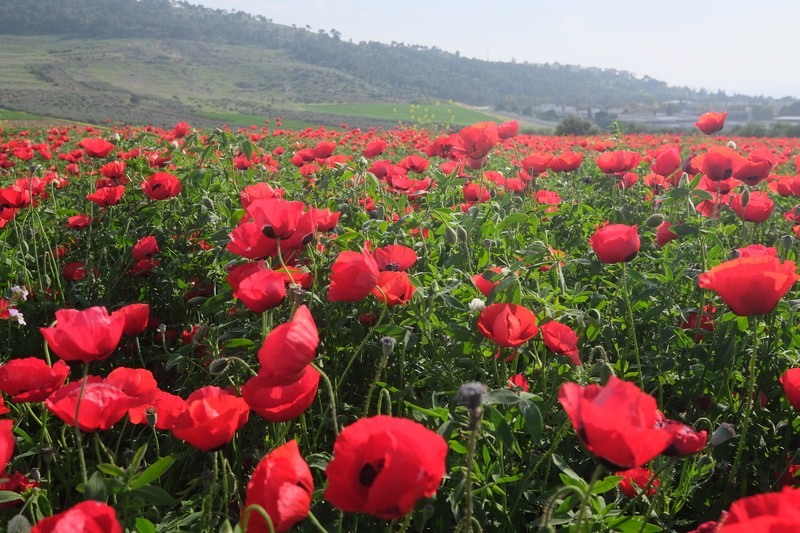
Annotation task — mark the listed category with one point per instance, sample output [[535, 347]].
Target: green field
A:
[[413, 114], [5, 114]]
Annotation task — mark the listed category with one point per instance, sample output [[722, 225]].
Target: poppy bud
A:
[[461, 233], [787, 241], [477, 305], [654, 220], [745, 198], [470, 395], [732, 145], [722, 434], [387, 345], [450, 236], [218, 366], [18, 524]]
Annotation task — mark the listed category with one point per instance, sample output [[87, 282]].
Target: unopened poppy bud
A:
[[387, 345], [296, 294], [655, 220], [115, 137], [18, 524], [732, 145], [488, 243], [722, 434], [128, 455], [35, 475], [787, 241], [745, 198], [450, 236], [151, 415], [218, 366], [461, 233], [470, 395], [683, 183]]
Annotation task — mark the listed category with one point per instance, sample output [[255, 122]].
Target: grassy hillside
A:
[[160, 82]]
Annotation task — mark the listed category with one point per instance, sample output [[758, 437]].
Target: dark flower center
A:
[[369, 472]]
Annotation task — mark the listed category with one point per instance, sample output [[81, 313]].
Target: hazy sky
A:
[[743, 46]]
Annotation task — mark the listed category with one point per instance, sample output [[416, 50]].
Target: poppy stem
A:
[[316, 523], [475, 429], [378, 372], [78, 437], [586, 496], [748, 406], [332, 395], [631, 325]]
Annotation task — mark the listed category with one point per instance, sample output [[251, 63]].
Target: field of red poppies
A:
[[410, 330]]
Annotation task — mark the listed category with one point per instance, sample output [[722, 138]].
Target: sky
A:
[[738, 46]]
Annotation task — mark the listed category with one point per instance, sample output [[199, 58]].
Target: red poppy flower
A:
[[96, 147], [31, 379], [666, 160], [685, 440], [773, 511], [566, 162], [278, 398], [519, 381], [161, 185], [353, 276], [16, 482], [717, 164], [706, 321], [138, 383], [394, 257], [711, 122], [78, 221], [618, 162], [754, 250], [790, 380], [87, 517], [290, 347], [477, 140], [374, 148], [484, 281], [506, 130], [74, 271], [248, 241], [616, 422], [758, 208], [115, 170], [162, 409], [88, 335], [664, 234], [277, 218], [14, 197], [393, 288], [507, 325], [561, 339], [323, 219], [211, 417], [635, 480], [101, 406], [752, 169], [615, 243], [258, 287], [414, 163], [145, 248], [283, 486], [6, 442], [475, 192], [382, 465], [750, 285], [136, 317], [107, 196]]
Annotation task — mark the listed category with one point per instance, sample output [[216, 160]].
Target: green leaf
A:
[[533, 420], [154, 495], [153, 472], [501, 396], [561, 465], [238, 343], [111, 470], [9, 496], [95, 489], [606, 484], [143, 525]]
